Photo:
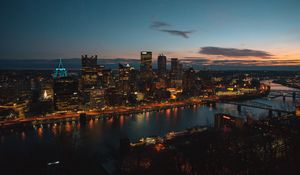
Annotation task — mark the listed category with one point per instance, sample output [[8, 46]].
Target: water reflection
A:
[[23, 136], [121, 120], [40, 132], [68, 127], [100, 135]]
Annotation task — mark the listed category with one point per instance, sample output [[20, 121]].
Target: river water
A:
[[86, 148]]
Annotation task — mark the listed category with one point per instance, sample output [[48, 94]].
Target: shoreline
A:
[[286, 84], [117, 111]]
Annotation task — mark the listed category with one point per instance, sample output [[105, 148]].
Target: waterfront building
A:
[[66, 95], [97, 100], [189, 85], [225, 121], [90, 77], [46, 91]]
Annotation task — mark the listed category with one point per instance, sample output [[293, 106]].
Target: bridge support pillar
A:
[[239, 108], [270, 113]]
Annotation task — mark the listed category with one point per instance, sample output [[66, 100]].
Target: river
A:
[[86, 148]]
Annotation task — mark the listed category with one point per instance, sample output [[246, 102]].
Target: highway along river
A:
[[72, 148]]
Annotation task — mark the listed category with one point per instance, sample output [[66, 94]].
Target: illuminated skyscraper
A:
[[65, 90], [89, 72], [146, 64], [90, 76], [66, 96], [161, 65], [124, 75], [60, 71]]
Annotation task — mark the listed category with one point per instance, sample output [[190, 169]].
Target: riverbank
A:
[[284, 83], [116, 111], [262, 147], [125, 110]]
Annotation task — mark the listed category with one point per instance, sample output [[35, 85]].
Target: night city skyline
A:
[[164, 87], [245, 33]]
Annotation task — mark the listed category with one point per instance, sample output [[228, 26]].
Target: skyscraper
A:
[[189, 84], [88, 62], [65, 90], [60, 71], [124, 76], [89, 76], [146, 64], [66, 97], [174, 68], [161, 65]]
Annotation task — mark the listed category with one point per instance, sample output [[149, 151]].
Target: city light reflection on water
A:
[[40, 132], [68, 127], [100, 135], [121, 120]]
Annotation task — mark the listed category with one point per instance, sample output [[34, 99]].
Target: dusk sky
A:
[[253, 32]]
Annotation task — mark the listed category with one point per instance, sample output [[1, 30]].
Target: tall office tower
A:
[[124, 75], [65, 90], [189, 82], [146, 65], [89, 77], [174, 68], [60, 71], [89, 72], [180, 71], [66, 96], [161, 65], [107, 78], [89, 61], [46, 91]]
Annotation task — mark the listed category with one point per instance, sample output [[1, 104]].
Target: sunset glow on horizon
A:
[[114, 29]]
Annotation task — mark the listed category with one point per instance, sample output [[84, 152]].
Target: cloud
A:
[[164, 27], [233, 52], [159, 24], [184, 34]]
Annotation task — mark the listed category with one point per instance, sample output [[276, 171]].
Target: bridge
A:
[[285, 93], [254, 105], [257, 105]]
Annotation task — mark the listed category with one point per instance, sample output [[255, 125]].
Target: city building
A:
[[174, 68], [161, 65], [88, 62], [60, 71], [146, 64], [124, 75], [189, 83], [175, 74], [66, 95], [225, 122], [46, 91], [90, 77]]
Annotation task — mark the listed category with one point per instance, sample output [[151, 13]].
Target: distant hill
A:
[[75, 64]]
